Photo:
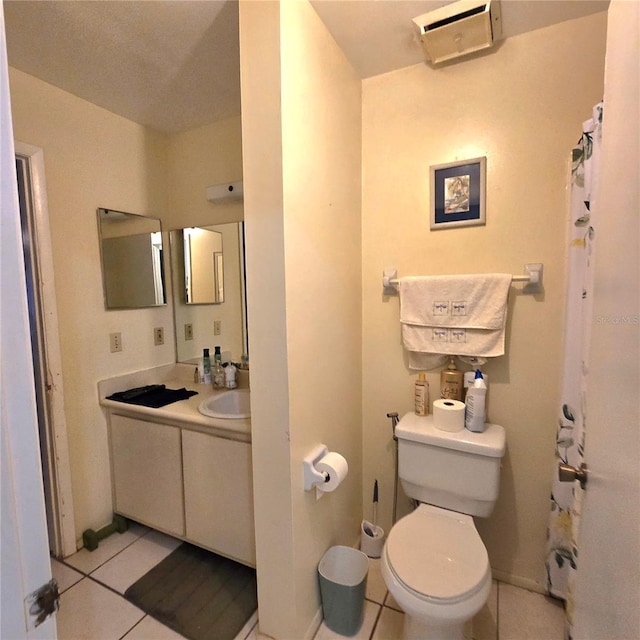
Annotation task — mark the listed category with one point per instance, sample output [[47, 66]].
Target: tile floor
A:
[[92, 605]]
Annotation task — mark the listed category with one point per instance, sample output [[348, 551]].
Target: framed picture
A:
[[458, 192]]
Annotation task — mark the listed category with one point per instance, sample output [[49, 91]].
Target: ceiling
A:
[[174, 64]]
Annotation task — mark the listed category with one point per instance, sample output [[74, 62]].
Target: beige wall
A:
[[521, 107], [197, 159], [301, 97], [93, 159]]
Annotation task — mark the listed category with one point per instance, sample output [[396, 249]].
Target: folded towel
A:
[[153, 395], [453, 315], [476, 301]]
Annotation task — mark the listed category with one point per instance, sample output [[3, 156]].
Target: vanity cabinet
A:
[[218, 494], [147, 473], [185, 482]]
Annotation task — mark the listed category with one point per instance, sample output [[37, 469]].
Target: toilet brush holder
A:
[[371, 539]]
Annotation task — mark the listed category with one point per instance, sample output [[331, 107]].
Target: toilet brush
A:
[[375, 503]]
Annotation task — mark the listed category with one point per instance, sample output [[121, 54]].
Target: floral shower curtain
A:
[[566, 498]]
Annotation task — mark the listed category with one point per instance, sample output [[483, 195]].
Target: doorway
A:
[[47, 365]]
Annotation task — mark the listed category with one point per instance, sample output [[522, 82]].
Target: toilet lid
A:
[[437, 554]]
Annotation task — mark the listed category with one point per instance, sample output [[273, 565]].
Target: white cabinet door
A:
[[147, 473], [218, 494]]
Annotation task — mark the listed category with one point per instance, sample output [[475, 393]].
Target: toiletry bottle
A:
[[421, 396], [474, 414], [451, 382], [206, 366], [218, 370], [230, 381]]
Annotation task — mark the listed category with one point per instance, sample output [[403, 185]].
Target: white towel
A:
[[453, 315]]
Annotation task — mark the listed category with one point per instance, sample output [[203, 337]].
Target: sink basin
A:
[[234, 404]]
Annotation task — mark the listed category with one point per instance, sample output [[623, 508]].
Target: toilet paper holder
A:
[[313, 477]]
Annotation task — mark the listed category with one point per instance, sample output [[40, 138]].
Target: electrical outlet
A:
[[115, 340], [158, 336], [188, 332], [217, 327]]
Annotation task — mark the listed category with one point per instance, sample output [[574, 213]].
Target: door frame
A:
[[55, 446]]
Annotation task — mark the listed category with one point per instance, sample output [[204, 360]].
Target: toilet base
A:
[[417, 629]]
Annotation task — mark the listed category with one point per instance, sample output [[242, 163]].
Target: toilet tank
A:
[[458, 470]]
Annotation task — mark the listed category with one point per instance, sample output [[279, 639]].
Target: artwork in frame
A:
[[458, 193]]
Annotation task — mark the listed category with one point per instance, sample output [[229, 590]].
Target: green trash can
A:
[[343, 581]]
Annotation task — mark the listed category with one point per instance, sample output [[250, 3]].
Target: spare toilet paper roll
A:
[[448, 415], [336, 466]]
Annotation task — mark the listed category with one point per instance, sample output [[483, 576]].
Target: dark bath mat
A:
[[199, 594]]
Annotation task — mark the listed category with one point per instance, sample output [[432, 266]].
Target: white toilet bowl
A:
[[437, 568]]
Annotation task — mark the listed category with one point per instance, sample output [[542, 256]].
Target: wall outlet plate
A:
[[188, 331], [158, 336], [115, 342]]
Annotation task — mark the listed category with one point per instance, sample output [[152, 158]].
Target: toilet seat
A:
[[438, 555]]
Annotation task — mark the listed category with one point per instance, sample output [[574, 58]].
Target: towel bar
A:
[[532, 277]]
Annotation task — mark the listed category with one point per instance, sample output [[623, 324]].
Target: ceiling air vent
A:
[[459, 29]]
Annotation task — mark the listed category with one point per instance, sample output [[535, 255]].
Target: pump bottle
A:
[[451, 382]]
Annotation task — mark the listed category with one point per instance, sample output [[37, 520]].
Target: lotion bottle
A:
[[451, 382], [474, 413], [421, 396]]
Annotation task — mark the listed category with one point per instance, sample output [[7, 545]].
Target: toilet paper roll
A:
[[335, 466], [448, 415]]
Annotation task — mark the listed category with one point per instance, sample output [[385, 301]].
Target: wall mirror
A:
[[207, 266], [132, 260]]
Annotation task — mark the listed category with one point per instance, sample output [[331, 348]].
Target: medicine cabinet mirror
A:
[[132, 260], [207, 266]]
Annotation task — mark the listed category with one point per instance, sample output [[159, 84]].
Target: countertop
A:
[[183, 413]]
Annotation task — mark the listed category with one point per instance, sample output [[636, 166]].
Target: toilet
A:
[[434, 563]]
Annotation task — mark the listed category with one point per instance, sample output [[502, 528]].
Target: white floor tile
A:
[[89, 611], [136, 560], [524, 615], [389, 625], [371, 611], [88, 561], [150, 629], [65, 576], [376, 588]]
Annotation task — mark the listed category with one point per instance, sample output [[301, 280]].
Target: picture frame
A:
[[458, 193]]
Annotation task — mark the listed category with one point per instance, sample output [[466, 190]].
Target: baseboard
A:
[[519, 581]]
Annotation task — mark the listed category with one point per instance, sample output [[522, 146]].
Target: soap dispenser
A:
[[451, 382]]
